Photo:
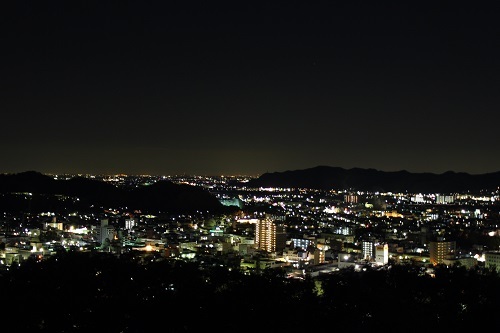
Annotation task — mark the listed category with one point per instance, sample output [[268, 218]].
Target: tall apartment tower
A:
[[130, 223], [319, 256], [440, 250], [367, 250], [105, 231], [382, 254], [269, 236]]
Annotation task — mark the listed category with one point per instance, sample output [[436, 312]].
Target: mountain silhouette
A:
[[328, 177], [162, 196]]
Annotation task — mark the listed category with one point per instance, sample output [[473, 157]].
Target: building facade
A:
[[440, 250], [269, 236]]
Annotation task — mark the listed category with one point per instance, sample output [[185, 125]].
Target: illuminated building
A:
[[232, 202], [492, 260], [130, 223], [464, 261], [382, 254], [440, 250], [302, 243], [269, 236], [444, 199], [347, 259], [319, 256], [393, 213], [367, 248], [419, 198], [53, 224], [105, 231], [351, 198]]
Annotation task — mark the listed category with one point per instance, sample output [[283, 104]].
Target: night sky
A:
[[247, 87]]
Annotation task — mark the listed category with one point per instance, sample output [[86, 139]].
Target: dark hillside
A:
[[163, 196], [325, 177]]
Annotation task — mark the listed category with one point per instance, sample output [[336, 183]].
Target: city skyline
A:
[[224, 88]]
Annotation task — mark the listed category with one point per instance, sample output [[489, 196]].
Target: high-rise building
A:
[[130, 223], [367, 249], [319, 256], [105, 231], [440, 250], [269, 236], [382, 254]]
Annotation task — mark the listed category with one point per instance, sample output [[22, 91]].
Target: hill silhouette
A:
[[327, 177], [162, 196]]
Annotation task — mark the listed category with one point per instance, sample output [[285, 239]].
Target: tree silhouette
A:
[[136, 295]]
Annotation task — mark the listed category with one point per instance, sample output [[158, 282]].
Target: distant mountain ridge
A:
[[328, 177], [163, 195]]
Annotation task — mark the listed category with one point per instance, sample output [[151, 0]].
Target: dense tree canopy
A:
[[83, 292]]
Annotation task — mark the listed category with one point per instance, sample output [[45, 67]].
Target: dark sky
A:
[[247, 87]]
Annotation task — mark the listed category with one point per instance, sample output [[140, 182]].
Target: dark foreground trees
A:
[[84, 292]]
